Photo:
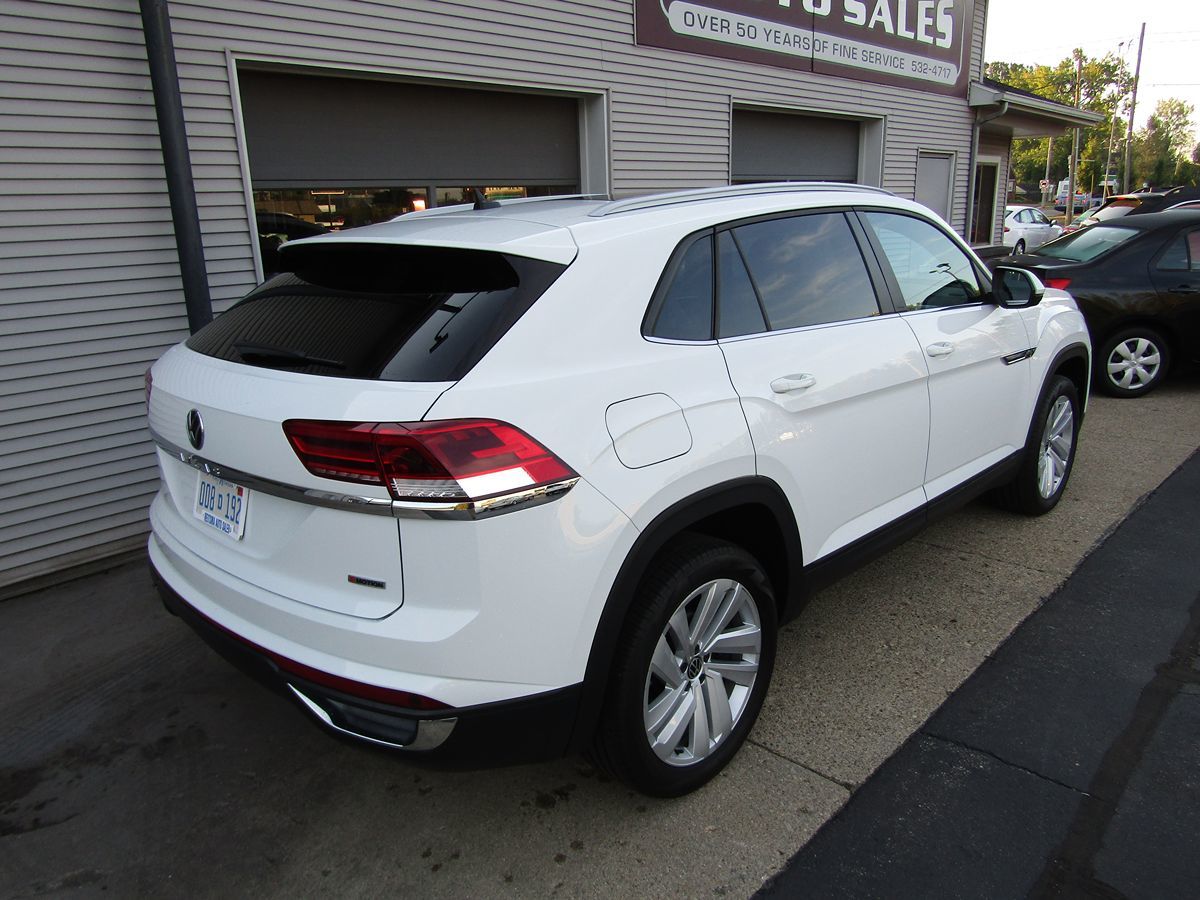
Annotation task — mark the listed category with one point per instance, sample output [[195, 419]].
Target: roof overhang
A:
[[1022, 115]]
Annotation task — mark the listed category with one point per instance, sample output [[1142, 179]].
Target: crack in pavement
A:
[[842, 784], [1000, 759]]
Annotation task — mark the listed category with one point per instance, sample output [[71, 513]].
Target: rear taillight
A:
[[1007, 229], [458, 459], [1059, 284]]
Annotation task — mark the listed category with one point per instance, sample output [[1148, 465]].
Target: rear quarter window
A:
[[382, 312]]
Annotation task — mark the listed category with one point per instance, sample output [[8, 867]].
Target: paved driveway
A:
[[134, 761]]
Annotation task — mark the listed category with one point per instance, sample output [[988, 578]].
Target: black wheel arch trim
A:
[[1071, 351], [753, 490]]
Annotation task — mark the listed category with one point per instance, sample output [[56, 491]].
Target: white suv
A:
[[509, 481]]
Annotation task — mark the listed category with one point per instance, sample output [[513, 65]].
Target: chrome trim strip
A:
[[431, 733], [406, 509]]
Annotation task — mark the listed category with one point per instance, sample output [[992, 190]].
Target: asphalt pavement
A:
[[136, 762], [1068, 765]]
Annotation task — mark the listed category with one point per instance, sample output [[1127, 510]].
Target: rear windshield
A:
[[1080, 246], [1115, 209], [385, 312]]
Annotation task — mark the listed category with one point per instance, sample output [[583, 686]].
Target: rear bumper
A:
[[531, 728]]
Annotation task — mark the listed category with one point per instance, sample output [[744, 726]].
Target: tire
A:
[[1049, 452], [1020, 248], [1132, 362], [703, 702]]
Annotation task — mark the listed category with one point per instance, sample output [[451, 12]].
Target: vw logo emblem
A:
[[195, 429]]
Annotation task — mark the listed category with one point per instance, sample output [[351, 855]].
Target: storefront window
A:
[[286, 214], [448, 196]]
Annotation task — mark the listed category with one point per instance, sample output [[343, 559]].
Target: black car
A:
[[1141, 203], [1137, 281]]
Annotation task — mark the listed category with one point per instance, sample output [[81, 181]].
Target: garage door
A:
[[770, 146], [304, 131]]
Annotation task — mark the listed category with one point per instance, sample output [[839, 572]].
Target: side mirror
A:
[[1015, 288]]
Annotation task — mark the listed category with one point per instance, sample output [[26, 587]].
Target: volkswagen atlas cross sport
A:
[[517, 480]]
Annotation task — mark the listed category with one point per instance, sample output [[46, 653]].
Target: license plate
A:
[[221, 505]]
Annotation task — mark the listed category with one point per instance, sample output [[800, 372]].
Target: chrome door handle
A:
[[793, 383], [941, 348]]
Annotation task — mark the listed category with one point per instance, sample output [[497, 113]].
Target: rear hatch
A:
[[363, 333]]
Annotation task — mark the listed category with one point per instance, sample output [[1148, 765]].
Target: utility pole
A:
[[1112, 136], [1074, 140], [1048, 192], [1133, 106]]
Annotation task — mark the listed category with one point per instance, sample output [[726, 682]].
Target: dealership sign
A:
[[921, 44]]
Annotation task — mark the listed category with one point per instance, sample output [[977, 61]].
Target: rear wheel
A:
[[1020, 248], [693, 667], [1132, 362]]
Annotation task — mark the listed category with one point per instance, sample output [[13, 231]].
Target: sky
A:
[[1046, 31]]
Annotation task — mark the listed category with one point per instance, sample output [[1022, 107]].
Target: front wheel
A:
[[1049, 452], [693, 667]]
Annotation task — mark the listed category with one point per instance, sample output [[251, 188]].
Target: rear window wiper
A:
[[285, 355]]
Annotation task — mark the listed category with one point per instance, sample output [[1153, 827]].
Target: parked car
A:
[[520, 479], [1137, 281], [1083, 200], [1082, 220], [1026, 228], [1141, 203]]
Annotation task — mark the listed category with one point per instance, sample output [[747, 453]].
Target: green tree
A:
[[1102, 88], [1160, 150]]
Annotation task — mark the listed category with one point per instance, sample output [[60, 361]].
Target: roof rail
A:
[[730, 190], [511, 201]]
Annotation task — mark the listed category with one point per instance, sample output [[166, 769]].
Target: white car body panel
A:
[[450, 640], [977, 401], [849, 451], [289, 548], [531, 378]]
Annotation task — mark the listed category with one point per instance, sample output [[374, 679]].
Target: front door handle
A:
[[941, 348], [798, 382], [1186, 289]]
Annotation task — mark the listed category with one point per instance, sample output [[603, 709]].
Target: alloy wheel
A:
[[1058, 439], [702, 672]]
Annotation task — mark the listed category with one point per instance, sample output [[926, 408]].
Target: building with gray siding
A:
[[304, 115]]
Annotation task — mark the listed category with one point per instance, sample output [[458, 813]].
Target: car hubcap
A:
[[1057, 441], [1134, 364], [703, 672]]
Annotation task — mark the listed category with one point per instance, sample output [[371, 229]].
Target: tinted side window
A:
[[930, 268], [807, 270], [685, 302], [1182, 254], [740, 312]]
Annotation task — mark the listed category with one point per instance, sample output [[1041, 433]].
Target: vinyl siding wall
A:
[[89, 283], [90, 292]]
